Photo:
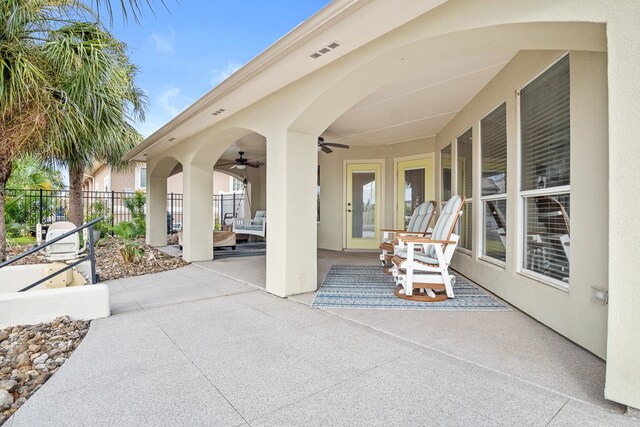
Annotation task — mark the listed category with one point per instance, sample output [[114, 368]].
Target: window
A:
[[445, 166], [465, 186], [545, 163], [143, 177], [236, 185], [493, 149]]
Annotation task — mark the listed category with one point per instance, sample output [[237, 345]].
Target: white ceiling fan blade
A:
[[234, 166]]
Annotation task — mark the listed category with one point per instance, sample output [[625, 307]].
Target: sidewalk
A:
[[196, 347]]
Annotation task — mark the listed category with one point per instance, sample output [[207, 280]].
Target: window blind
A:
[[493, 149], [465, 164], [548, 238], [445, 167], [493, 139], [465, 186], [545, 124]]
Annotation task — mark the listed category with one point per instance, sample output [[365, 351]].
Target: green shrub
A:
[[132, 250], [136, 206], [96, 210]]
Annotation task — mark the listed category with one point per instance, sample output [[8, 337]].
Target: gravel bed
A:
[[29, 355], [109, 262]]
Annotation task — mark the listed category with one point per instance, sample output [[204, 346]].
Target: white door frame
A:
[[344, 193], [397, 160]]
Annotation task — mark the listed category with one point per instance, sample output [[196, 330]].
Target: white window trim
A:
[[138, 177], [500, 196], [454, 186], [520, 208]]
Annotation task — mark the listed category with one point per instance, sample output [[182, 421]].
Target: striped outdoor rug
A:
[[366, 286], [242, 250]]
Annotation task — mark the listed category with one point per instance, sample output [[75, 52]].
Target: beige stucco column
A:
[[197, 232], [156, 210], [291, 213], [623, 345]]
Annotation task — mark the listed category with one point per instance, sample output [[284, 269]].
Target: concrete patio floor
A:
[[204, 345]]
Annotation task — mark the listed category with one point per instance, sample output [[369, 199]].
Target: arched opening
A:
[[226, 187]]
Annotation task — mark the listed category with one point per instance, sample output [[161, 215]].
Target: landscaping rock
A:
[[109, 262], [8, 385], [6, 399], [29, 355], [40, 359]]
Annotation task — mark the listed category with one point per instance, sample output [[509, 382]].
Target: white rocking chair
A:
[[421, 266], [418, 226]]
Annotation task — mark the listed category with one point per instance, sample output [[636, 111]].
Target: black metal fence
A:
[[26, 208]]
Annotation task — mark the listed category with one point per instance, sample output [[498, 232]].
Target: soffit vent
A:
[[220, 111], [323, 51]]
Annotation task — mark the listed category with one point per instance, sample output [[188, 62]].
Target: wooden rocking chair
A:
[[421, 266]]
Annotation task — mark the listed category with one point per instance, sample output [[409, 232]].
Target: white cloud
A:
[[164, 43], [220, 74], [169, 101]]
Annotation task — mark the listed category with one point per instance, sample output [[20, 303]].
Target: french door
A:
[[363, 205], [414, 186]]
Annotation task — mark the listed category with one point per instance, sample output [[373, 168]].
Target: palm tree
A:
[[36, 114], [29, 173], [101, 84], [33, 112], [129, 7]]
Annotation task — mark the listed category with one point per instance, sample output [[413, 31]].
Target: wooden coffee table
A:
[[224, 238]]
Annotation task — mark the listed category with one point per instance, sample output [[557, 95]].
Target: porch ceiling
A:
[[416, 106]]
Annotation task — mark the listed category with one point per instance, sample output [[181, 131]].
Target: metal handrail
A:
[[90, 256]]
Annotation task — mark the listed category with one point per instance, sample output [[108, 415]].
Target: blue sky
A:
[[186, 51]]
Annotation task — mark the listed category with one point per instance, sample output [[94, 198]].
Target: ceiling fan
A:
[[241, 163], [324, 146]]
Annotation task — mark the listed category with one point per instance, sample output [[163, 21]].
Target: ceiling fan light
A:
[[241, 167]]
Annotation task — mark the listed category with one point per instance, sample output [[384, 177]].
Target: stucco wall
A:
[[571, 313], [123, 180], [222, 183], [99, 176], [332, 212]]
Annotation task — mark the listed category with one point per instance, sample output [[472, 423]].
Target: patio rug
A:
[[367, 287], [242, 250]]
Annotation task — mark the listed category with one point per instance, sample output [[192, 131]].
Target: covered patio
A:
[[209, 345], [527, 113]]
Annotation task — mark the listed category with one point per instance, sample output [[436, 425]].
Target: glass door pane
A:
[[363, 206], [363, 220], [414, 186]]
